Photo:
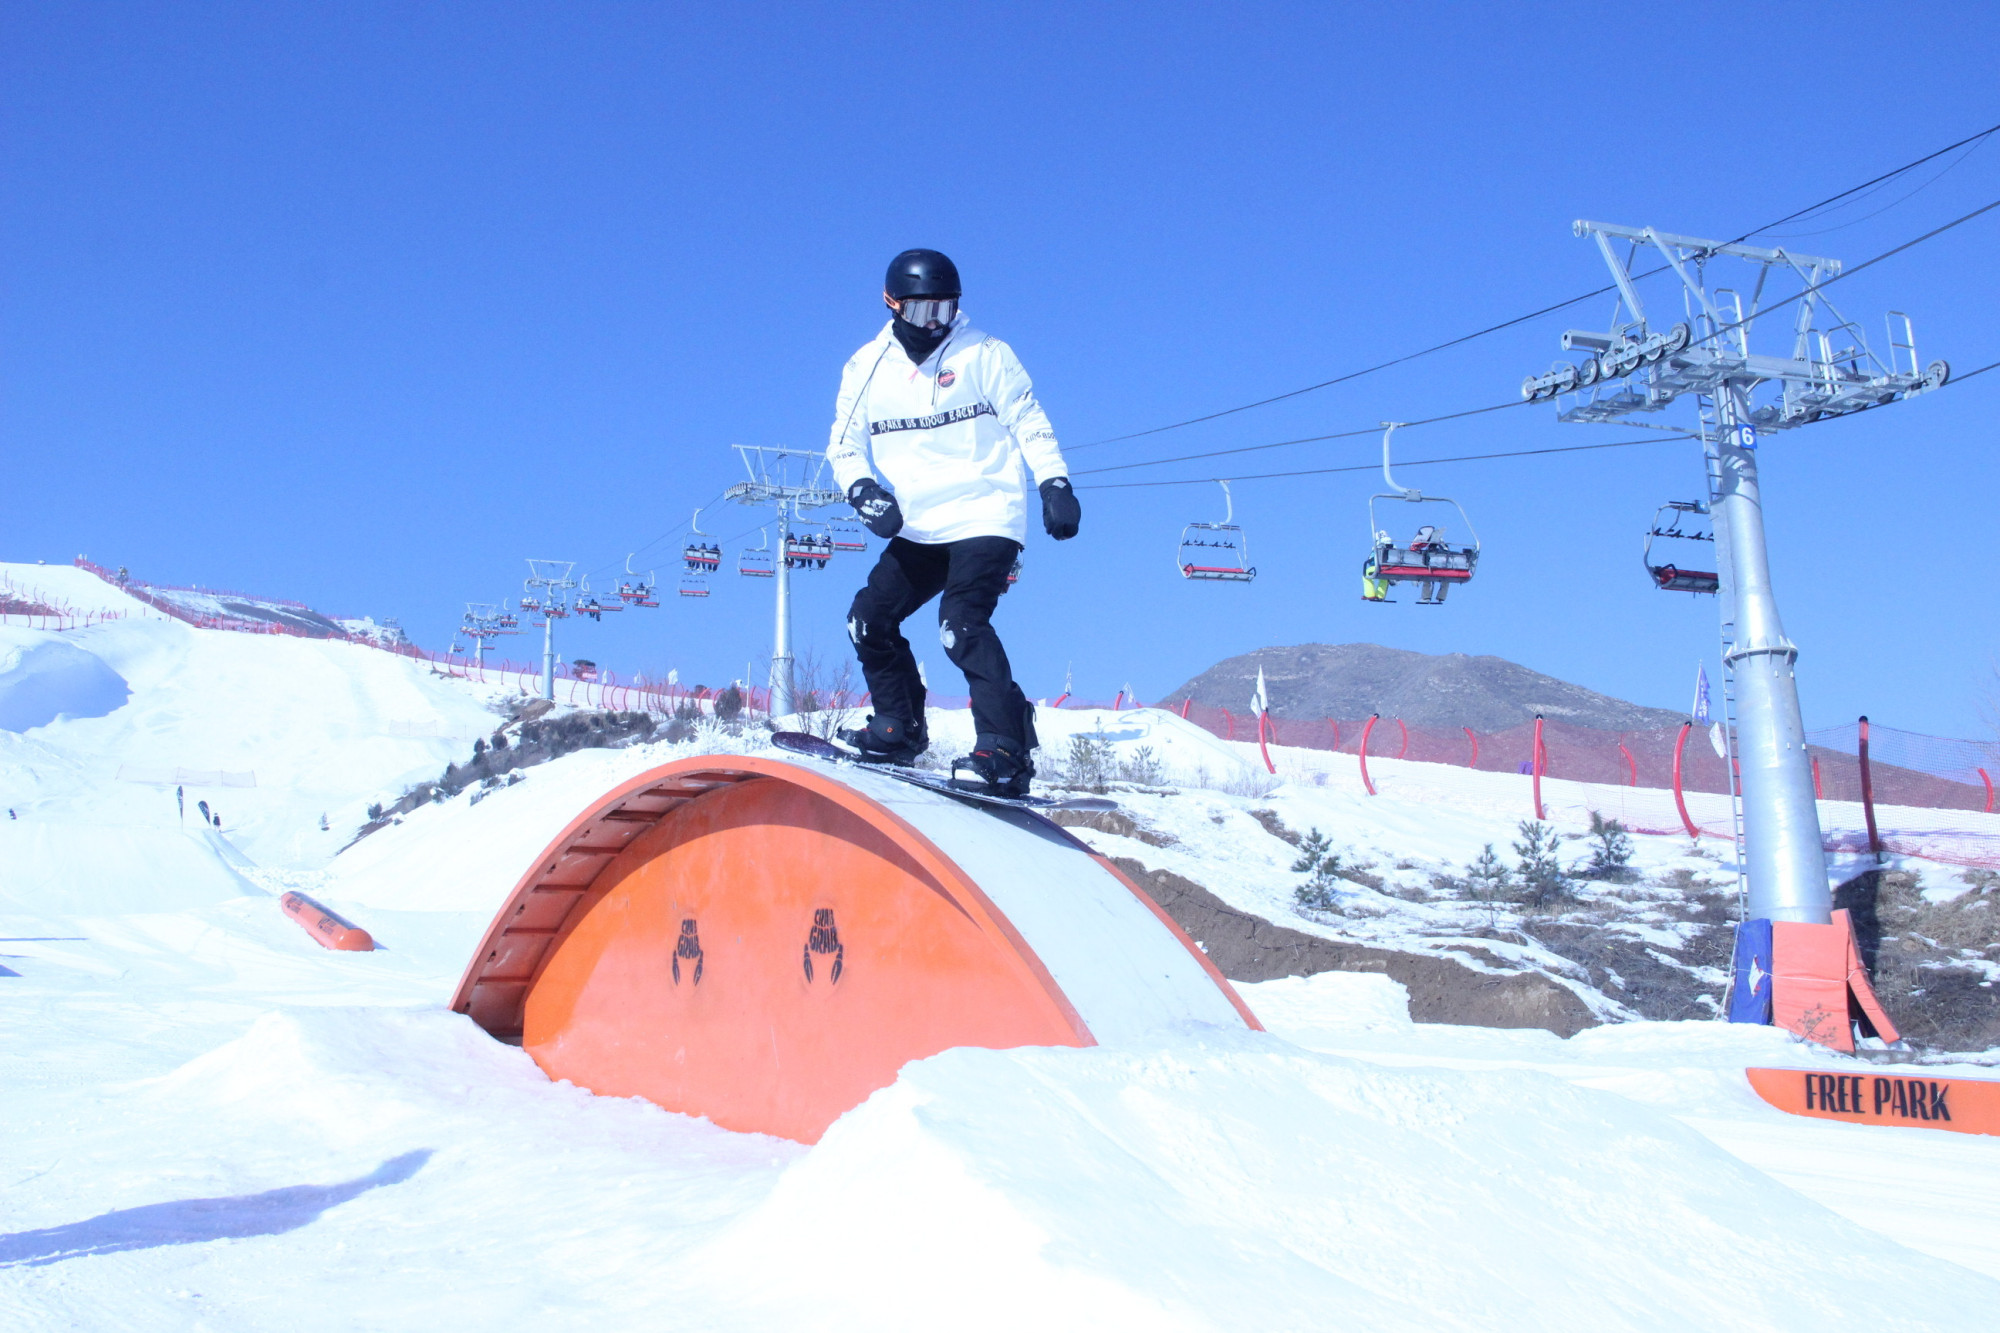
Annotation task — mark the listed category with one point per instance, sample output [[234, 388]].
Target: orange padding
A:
[[1967, 1105], [326, 926], [1815, 972]]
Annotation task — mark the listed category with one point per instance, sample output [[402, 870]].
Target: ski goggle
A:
[[921, 311]]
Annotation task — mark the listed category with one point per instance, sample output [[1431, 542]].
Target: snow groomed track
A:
[[766, 943]]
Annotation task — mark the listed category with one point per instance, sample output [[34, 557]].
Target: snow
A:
[[42, 677], [214, 1123], [73, 591]]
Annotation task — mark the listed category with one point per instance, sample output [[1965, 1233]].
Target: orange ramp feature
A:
[[766, 943]]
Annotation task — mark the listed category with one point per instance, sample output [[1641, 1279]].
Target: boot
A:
[[886, 740], [1000, 762]]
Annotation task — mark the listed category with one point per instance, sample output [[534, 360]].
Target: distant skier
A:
[[933, 427]]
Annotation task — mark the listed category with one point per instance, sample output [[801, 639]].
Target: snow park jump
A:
[[766, 943]]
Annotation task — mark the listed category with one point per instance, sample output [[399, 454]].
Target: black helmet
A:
[[921, 273]]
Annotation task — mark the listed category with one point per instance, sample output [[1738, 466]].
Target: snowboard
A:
[[813, 747]]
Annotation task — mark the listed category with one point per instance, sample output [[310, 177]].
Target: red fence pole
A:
[[1229, 723], [1262, 748], [1680, 801], [1370, 726], [1334, 723], [1819, 788], [1539, 754], [1119, 702], [1471, 736], [1186, 704], [1404, 751], [1982, 777], [1631, 764], [1868, 794]]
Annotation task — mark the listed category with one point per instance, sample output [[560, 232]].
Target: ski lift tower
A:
[[482, 622], [552, 575], [1642, 364], [790, 481]]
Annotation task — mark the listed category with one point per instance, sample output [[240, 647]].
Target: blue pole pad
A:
[[1750, 990]]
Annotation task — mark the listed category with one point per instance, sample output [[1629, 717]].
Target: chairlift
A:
[[637, 591], [599, 605], [848, 535], [509, 622], [1216, 552], [692, 586], [754, 562], [810, 547], [531, 604], [1427, 559], [701, 555], [1668, 576]]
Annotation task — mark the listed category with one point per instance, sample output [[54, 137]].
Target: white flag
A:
[[1260, 703], [674, 676]]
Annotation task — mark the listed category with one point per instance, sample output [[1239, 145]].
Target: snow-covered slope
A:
[[214, 1123], [74, 591]]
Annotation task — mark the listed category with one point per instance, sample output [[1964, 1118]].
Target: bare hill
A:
[[1454, 690]]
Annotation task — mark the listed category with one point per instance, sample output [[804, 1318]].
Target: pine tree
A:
[[1611, 858], [1542, 878], [1488, 881], [1321, 864]]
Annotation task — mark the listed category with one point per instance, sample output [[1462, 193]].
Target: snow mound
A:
[[94, 870], [1246, 1183], [43, 677]]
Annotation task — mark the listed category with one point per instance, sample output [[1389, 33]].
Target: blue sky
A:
[[364, 304]]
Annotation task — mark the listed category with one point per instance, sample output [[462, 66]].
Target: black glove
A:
[[878, 508], [1060, 511]]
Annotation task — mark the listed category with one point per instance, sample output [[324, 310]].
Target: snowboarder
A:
[[933, 426]]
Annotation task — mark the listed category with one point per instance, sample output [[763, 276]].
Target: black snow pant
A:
[[971, 574]]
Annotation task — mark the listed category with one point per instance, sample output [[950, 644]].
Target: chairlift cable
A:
[[1956, 380], [1307, 439], [1801, 294], [1545, 310], [1377, 465]]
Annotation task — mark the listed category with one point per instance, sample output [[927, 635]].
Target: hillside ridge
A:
[[1453, 690]]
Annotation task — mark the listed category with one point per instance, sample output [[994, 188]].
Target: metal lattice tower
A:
[[483, 621], [1641, 365], [789, 481], [553, 577]]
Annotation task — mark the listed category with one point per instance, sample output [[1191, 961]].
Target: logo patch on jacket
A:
[[946, 378]]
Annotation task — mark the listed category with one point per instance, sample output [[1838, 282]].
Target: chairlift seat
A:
[[1430, 564], [1218, 573], [1672, 578]]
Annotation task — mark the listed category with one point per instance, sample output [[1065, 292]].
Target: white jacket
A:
[[947, 438]]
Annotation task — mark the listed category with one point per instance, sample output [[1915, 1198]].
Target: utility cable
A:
[[1545, 310]]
